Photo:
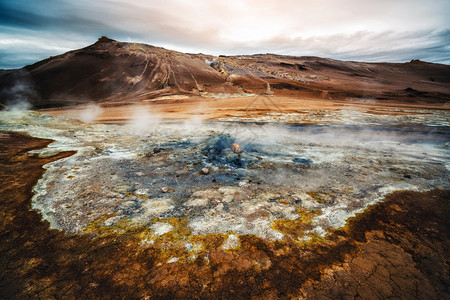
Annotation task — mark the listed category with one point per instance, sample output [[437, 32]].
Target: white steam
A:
[[89, 114], [19, 96], [19, 106], [193, 123], [142, 120]]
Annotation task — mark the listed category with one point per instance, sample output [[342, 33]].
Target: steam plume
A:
[[19, 94], [89, 114], [142, 120]]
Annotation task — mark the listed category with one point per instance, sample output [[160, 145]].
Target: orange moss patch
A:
[[318, 196], [295, 229]]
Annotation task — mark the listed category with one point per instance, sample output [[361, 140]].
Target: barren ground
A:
[[185, 107], [396, 248], [258, 225]]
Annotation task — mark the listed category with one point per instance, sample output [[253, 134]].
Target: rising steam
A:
[[142, 120], [89, 114], [19, 94]]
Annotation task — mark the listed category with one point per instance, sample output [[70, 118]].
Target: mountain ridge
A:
[[110, 70]]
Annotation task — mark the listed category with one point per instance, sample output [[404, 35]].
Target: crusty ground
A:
[[397, 248]]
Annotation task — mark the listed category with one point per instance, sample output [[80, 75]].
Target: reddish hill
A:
[[109, 71]]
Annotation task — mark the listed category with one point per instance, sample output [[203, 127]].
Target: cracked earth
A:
[[239, 230]]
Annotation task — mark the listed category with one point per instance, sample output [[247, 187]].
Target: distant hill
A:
[[110, 71]]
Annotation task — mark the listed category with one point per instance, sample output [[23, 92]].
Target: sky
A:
[[359, 30]]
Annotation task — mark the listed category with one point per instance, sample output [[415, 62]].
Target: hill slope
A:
[[109, 71]]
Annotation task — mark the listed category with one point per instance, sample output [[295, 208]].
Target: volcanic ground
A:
[[179, 192], [192, 176]]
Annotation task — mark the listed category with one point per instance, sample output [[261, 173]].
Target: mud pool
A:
[[320, 175]]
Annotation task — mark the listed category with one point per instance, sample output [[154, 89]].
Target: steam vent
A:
[[130, 171]]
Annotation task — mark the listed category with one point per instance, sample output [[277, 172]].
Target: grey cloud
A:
[[348, 29], [386, 46]]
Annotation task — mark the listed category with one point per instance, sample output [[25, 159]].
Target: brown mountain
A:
[[116, 71]]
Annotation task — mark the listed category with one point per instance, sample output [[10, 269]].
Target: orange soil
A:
[[252, 106]]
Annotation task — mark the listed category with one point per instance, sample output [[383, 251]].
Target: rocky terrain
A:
[[146, 173], [397, 248], [178, 210], [117, 71]]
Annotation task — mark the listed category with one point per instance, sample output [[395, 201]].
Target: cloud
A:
[[20, 47], [365, 46], [351, 29]]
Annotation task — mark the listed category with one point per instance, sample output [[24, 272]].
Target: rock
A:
[[112, 221], [142, 192], [303, 161], [236, 148], [157, 150], [164, 189], [205, 171], [232, 242], [243, 183], [161, 228], [218, 143], [221, 149], [172, 260]]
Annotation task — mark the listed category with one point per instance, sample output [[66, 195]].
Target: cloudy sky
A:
[[363, 30]]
